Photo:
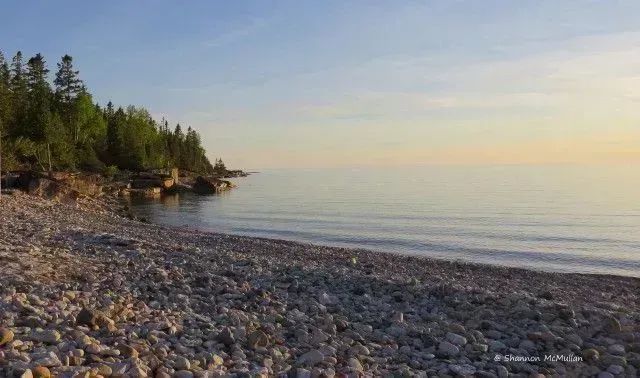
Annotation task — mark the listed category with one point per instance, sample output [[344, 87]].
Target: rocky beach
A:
[[87, 292]]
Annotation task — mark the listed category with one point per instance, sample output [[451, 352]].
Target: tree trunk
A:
[[49, 155]]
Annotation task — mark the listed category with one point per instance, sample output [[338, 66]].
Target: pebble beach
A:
[[87, 292]]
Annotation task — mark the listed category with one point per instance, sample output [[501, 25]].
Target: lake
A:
[[553, 218]]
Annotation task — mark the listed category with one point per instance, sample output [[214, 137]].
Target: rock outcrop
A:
[[210, 185]]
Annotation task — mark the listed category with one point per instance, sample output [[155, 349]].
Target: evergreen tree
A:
[[38, 99], [18, 88], [5, 78], [68, 84]]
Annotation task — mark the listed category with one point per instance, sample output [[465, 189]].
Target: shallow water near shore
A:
[[562, 218]]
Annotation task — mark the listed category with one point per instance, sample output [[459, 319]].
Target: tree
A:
[[5, 78], [18, 89], [67, 83], [89, 132], [37, 120], [219, 168], [89, 125], [38, 96]]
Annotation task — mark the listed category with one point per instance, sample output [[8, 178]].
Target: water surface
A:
[[561, 218]]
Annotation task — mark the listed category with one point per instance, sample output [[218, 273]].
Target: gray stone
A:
[[464, 370], [456, 339], [311, 358], [448, 349]]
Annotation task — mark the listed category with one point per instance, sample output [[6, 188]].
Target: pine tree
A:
[[38, 118], [5, 77], [17, 82], [67, 83], [18, 88], [38, 98]]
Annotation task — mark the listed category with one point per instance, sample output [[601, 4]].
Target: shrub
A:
[[110, 171]]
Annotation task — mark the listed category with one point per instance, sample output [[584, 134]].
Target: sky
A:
[[360, 83]]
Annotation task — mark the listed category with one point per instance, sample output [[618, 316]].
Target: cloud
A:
[[252, 26], [598, 73]]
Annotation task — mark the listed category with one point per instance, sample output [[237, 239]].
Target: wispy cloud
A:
[[248, 28], [597, 73]]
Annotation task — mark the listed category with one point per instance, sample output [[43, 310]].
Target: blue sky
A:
[[324, 83]]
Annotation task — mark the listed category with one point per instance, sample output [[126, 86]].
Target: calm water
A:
[[578, 218]]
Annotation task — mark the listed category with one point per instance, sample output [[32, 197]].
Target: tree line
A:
[[57, 126]]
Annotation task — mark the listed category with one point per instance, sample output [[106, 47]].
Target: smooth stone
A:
[[448, 349], [311, 358], [181, 363], [6, 336], [26, 374], [463, 370], [48, 336], [355, 364], [615, 369], [616, 349], [591, 354], [86, 317], [496, 346], [41, 372], [127, 351], [257, 339], [456, 339]]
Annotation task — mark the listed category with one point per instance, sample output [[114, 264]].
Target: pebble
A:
[[463, 370], [257, 339], [617, 349], [182, 363], [48, 336], [355, 364], [6, 336], [311, 358], [615, 369], [591, 354], [448, 349], [456, 339], [41, 372]]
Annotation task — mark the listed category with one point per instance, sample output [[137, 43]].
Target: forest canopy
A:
[[56, 125]]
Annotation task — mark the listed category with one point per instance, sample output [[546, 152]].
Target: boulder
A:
[[86, 184], [210, 185], [64, 186], [44, 187], [154, 182], [9, 180], [145, 193]]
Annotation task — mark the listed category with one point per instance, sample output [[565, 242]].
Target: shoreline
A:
[[169, 301], [412, 255]]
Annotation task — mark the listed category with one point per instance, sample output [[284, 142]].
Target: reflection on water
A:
[[584, 219]]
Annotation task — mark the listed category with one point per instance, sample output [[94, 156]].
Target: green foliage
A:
[[219, 168], [62, 128], [110, 171]]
